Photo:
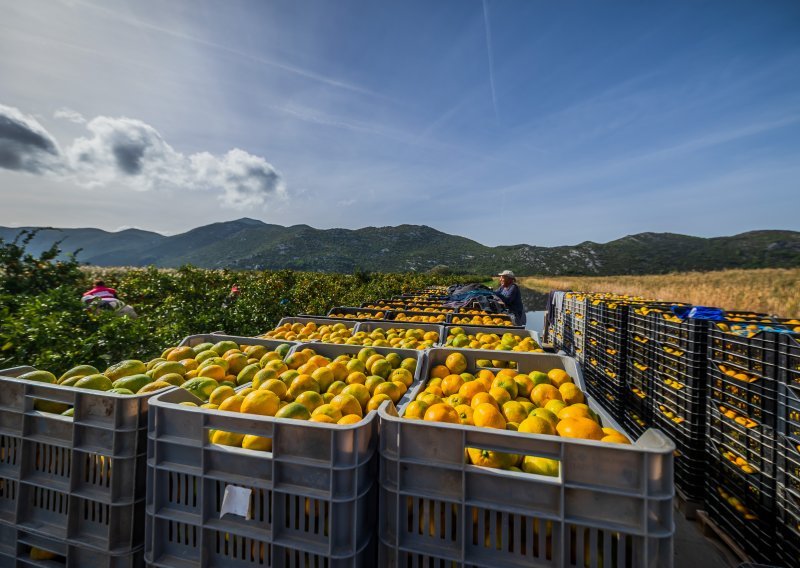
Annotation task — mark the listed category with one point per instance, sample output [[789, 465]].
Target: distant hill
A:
[[251, 244]]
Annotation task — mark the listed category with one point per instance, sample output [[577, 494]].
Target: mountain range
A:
[[251, 244]]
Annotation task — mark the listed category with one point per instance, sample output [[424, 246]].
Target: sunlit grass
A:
[[770, 290]]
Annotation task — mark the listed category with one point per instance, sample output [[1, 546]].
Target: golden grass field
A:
[[774, 291]]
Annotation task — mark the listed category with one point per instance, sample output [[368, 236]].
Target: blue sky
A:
[[503, 121]]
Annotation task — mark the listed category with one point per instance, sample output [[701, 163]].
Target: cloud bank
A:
[[132, 153], [25, 145]]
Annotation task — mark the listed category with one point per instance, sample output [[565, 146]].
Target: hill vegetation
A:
[[250, 244]]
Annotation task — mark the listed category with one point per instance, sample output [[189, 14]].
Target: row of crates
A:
[[135, 479], [726, 393]]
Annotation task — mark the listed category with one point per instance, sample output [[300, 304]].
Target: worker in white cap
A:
[[511, 296]]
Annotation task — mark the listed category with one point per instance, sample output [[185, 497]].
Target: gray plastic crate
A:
[[77, 480], [416, 313], [452, 319], [320, 321], [474, 329], [369, 326], [192, 340], [311, 499], [15, 547], [333, 350], [357, 314], [610, 505]]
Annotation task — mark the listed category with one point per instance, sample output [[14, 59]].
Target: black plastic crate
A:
[[685, 334], [640, 348], [753, 523], [789, 543], [756, 400], [689, 437], [609, 312], [686, 403], [748, 458], [755, 351], [788, 423], [743, 436], [639, 378], [788, 464]]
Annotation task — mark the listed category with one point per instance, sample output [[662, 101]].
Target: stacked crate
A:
[[606, 350], [788, 448], [741, 438], [642, 323], [679, 396]]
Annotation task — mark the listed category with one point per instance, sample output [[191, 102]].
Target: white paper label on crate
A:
[[236, 501]]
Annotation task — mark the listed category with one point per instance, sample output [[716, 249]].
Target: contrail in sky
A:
[[489, 50]]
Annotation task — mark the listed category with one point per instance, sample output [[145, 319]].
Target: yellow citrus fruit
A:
[[359, 392], [263, 402], [585, 428], [540, 466], [439, 371], [575, 411], [470, 389], [558, 377], [456, 362], [392, 390], [536, 425], [232, 403], [276, 386], [441, 413], [310, 399], [615, 439], [487, 415], [465, 414], [260, 443], [220, 394], [570, 393], [324, 418], [451, 384], [481, 398], [416, 410], [375, 402], [500, 395], [227, 438], [349, 419], [212, 372], [542, 394], [347, 404], [513, 411]]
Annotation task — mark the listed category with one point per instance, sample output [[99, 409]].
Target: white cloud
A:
[[65, 113], [25, 145], [129, 152]]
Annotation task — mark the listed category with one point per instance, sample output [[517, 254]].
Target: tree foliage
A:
[[44, 324]]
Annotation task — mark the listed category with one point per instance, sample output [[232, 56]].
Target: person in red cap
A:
[[512, 297]]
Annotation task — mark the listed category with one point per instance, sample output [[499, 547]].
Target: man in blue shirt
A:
[[512, 297]]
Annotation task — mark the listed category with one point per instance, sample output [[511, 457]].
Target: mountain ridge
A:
[[252, 244]]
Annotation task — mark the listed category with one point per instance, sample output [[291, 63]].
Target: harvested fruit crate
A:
[[369, 326], [743, 371], [742, 511], [518, 333], [309, 501], [417, 316], [316, 322], [789, 385], [23, 548], [77, 483], [787, 502], [500, 320], [343, 312], [610, 504]]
